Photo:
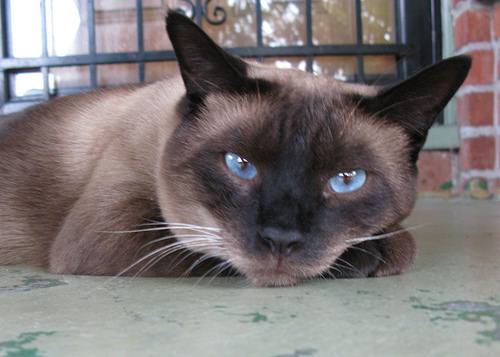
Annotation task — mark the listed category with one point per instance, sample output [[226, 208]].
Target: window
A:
[[59, 47]]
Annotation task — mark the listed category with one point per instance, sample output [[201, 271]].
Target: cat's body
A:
[[77, 170], [52, 152]]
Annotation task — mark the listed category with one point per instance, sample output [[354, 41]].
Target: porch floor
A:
[[448, 304]]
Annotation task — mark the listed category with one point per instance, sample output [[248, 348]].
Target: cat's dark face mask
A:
[[289, 168]]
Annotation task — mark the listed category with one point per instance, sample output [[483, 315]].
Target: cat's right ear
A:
[[415, 103], [205, 67]]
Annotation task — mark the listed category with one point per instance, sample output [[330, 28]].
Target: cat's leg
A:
[[387, 256], [86, 243]]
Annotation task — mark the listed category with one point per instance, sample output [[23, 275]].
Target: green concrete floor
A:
[[448, 304]]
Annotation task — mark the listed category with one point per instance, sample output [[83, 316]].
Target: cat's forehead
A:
[[291, 102], [308, 122], [291, 94], [279, 96], [299, 80]]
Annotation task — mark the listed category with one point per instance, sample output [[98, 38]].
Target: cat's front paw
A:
[[382, 257]]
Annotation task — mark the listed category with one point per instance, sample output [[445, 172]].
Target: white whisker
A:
[[180, 247], [218, 246], [347, 266], [378, 257], [198, 262], [193, 225], [330, 274], [206, 237], [384, 235], [158, 251], [193, 228], [225, 265], [217, 266]]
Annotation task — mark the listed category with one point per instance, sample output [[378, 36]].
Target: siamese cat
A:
[[277, 175]]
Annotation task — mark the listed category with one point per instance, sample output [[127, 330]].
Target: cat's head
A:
[[289, 165]]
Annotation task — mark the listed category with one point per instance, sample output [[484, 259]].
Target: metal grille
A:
[[417, 31]]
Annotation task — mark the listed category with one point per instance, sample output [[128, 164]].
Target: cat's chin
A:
[[274, 279], [272, 271]]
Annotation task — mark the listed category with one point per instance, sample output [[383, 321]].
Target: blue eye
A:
[[347, 181], [239, 166]]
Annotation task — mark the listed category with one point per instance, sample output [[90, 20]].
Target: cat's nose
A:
[[280, 241]]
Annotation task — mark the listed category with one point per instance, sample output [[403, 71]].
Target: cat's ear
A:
[[415, 102], [205, 67]]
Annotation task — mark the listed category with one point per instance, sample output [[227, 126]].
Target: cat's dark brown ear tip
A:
[[454, 70], [174, 19], [464, 60], [204, 66], [461, 63]]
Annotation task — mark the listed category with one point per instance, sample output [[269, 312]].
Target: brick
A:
[[498, 109], [481, 71], [475, 109], [498, 152], [496, 20], [477, 153], [472, 26], [435, 170]]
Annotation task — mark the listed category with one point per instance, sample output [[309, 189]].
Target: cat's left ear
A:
[[205, 67], [415, 102]]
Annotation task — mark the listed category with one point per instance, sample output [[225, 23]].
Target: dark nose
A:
[[280, 241]]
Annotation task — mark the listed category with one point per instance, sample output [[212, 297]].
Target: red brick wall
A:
[[476, 26]]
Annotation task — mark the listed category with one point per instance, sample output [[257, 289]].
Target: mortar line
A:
[[495, 47]]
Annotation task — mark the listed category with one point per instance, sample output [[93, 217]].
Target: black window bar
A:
[[418, 43]]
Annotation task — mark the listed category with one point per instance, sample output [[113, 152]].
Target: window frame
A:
[[418, 44]]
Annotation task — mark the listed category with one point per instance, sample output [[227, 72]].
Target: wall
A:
[[475, 168]]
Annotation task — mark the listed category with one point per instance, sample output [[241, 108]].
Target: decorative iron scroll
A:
[[216, 17], [219, 14]]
